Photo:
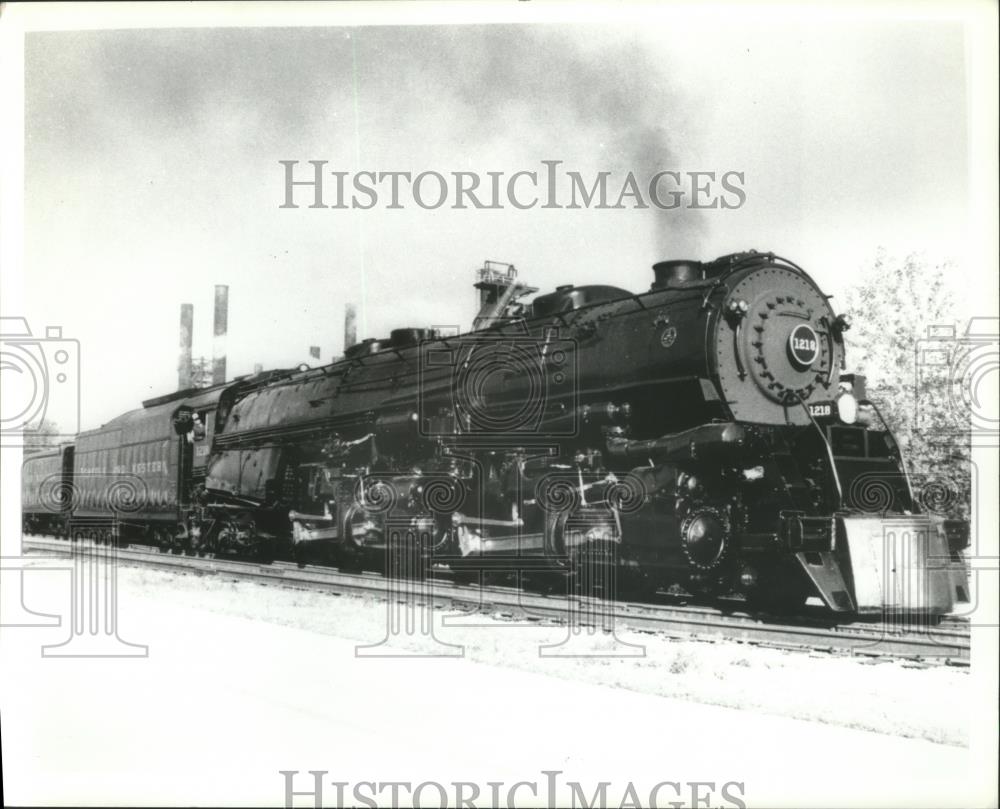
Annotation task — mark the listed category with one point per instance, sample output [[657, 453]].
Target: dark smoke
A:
[[466, 84], [613, 93]]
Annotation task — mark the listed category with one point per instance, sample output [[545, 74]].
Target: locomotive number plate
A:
[[820, 410]]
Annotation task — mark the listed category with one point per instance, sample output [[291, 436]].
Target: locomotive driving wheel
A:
[[237, 536], [583, 543], [177, 540], [359, 533], [160, 538]]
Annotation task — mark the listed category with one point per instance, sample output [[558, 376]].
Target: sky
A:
[[152, 169]]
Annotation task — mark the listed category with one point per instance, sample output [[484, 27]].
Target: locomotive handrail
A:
[[829, 342], [898, 453], [790, 263], [826, 443], [314, 425], [717, 283]]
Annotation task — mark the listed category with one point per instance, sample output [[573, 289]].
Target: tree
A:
[[42, 434], [893, 310]]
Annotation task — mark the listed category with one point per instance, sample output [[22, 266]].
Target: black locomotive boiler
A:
[[702, 434]]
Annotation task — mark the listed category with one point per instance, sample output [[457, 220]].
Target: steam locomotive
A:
[[700, 435]]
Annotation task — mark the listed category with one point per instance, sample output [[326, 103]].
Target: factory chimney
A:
[[350, 326], [219, 339], [184, 355]]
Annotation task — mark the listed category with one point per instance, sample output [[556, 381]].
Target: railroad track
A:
[[946, 642]]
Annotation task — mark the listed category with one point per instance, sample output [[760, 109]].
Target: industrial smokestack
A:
[[350, 326], [184, 356], [219, 339]]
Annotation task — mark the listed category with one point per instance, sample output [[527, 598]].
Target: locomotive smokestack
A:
[[184, 355], [220, 330], [670, 273], [350, 326]]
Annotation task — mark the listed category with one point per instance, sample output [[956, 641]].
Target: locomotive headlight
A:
[[847, 408], [738, 308]]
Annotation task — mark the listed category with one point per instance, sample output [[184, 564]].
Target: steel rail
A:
[[945, 642]]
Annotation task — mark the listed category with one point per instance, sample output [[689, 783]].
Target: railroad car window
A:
[[848, 441], [198, 426], [879, 444]]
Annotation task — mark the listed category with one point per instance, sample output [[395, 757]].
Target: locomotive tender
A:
[[702, 434]]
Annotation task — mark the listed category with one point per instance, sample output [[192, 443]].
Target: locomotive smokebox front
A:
[[778, 345]]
